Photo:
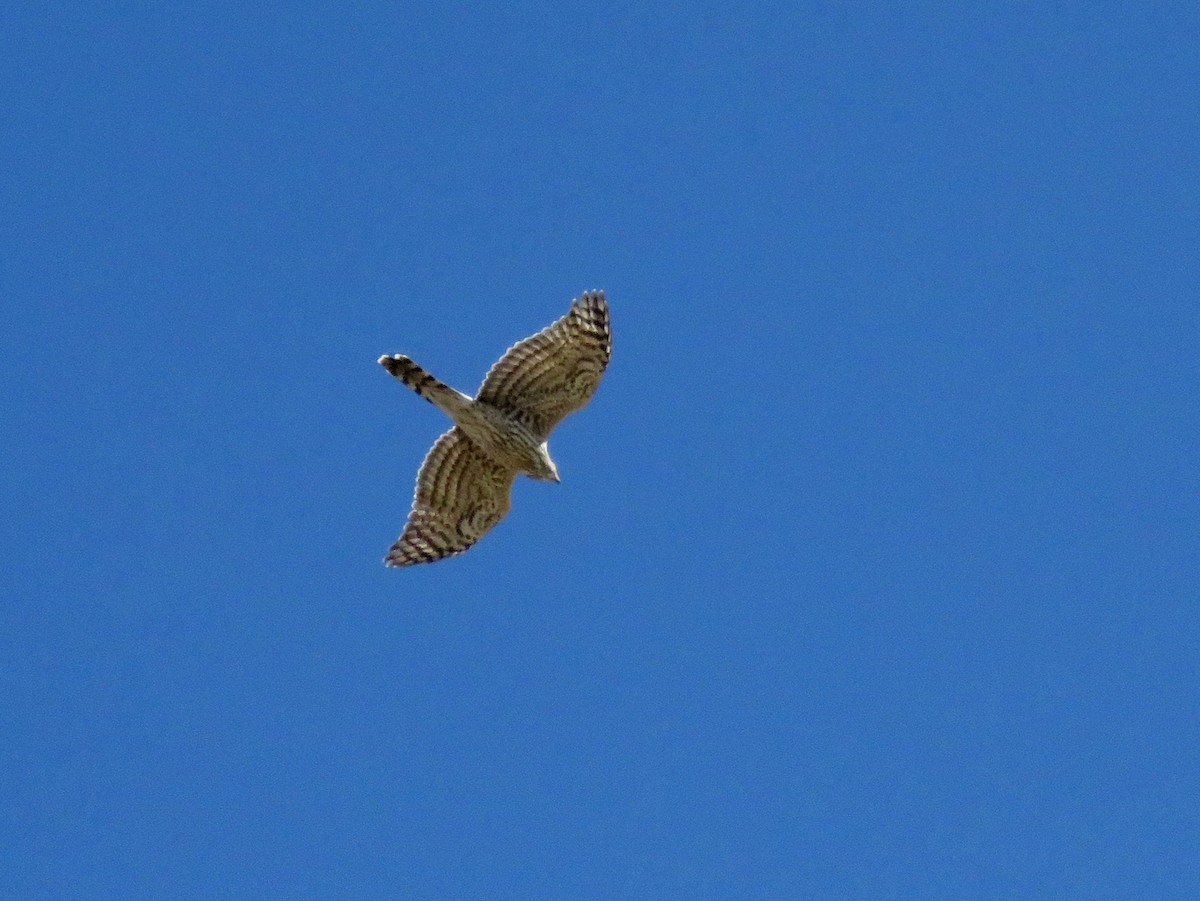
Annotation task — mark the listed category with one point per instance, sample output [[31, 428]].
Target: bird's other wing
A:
[[555, 372], [461, 493]]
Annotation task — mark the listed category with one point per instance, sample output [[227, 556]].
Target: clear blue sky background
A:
[[873, 572]]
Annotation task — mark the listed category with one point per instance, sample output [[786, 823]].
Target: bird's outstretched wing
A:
[[461, 493], [555, 372]]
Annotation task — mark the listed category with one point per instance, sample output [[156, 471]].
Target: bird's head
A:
[[544, 469]]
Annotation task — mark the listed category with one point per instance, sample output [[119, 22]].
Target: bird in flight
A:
[[465, 483]]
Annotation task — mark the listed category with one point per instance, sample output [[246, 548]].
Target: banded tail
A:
[[429, 387]]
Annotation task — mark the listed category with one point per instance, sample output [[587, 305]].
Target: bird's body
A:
[[464, 485], [503, 438]]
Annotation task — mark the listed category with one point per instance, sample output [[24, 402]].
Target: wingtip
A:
[[592, 300]]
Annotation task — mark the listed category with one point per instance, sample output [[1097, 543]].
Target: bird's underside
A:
[[465, 482]]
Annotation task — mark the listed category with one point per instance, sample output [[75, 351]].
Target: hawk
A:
[[464, 485]]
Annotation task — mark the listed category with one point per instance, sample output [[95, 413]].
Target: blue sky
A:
[[873, 571]]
